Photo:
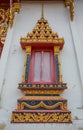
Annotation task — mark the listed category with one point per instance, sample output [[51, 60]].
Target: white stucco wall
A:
[[58, 18]]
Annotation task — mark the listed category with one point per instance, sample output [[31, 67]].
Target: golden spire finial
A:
[[42, 15]]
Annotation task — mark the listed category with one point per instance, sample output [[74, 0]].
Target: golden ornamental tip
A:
[[42, 15]]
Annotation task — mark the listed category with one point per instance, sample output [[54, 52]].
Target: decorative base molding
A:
[[42, 88], [42, 103], [41, 117]]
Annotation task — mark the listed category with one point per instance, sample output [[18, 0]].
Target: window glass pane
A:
[[46, 67], [37, 66]]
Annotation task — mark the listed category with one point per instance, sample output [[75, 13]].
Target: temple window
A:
[[42, 67]]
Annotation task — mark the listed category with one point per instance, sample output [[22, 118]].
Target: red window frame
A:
[[31, 70]]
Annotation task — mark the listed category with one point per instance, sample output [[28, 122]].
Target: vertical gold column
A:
[[23, 76], [57, 52], [28, 53]]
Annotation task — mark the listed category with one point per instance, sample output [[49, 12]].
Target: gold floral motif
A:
[[16, 6], [3, 31], [56, 49], [42, 98], [4, 23], [18, 117], [42, 104], [28, 50], [2, 16], [42, 91], [6, 20]]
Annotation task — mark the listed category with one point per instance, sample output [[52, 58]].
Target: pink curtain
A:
[[46, 75], [42, 67], [37, 67]]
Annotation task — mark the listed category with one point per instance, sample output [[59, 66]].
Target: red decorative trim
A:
[[1, 44], [40, 44], [1, 47], [55, 111]]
